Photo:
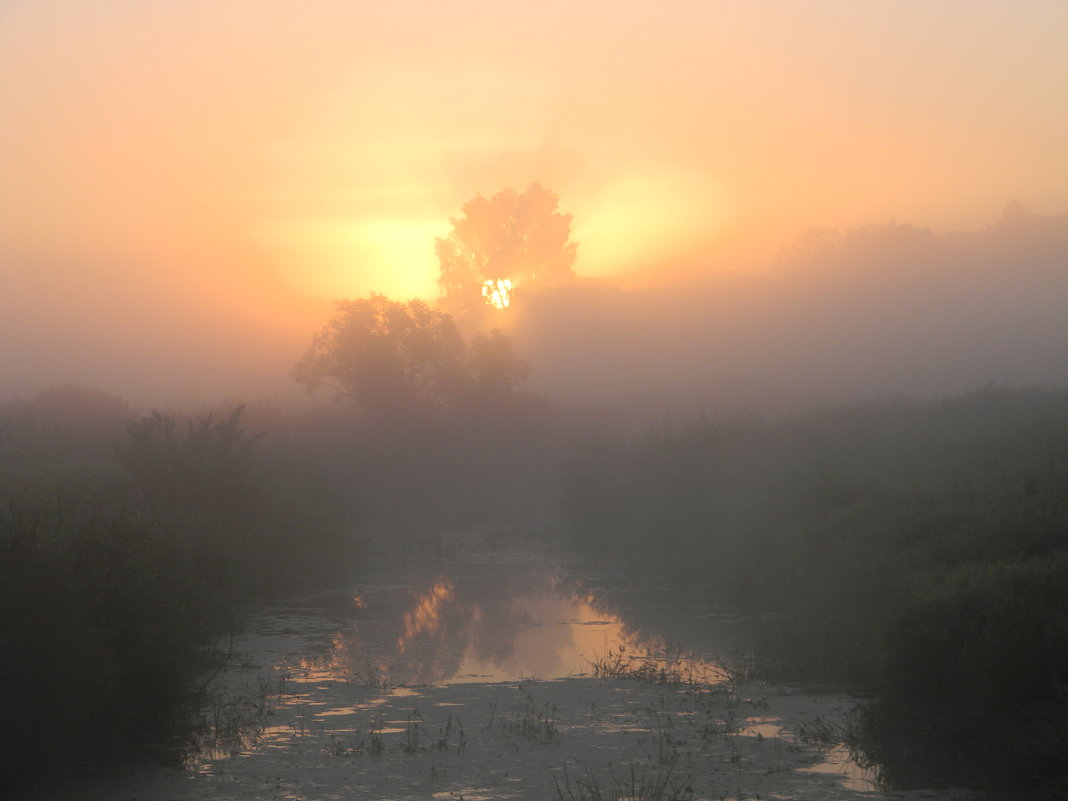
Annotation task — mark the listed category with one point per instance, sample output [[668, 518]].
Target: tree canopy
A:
[[518, 236], [393, 358]]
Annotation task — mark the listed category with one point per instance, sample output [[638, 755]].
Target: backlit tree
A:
[[519, 237]]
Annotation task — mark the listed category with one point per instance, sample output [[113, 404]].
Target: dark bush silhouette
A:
[[973, 685], [207, 462], [399, 360], [116, 573]]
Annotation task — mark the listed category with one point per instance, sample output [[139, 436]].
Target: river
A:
[[486, 667]]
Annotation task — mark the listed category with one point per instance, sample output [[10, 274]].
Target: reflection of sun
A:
[[497, 292]]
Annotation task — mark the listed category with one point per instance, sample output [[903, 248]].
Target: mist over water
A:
[[472, 337]]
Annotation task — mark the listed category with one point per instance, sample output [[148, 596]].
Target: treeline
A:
[[916, 551]]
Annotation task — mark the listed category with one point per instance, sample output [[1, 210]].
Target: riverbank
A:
[[126, 545], [912, 551]]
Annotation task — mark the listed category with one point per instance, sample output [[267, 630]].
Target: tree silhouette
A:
[[394, 359], [516, 236]]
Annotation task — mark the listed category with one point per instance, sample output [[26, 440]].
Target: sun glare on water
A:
[[497, 292]]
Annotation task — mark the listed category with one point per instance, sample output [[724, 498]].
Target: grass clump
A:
[[641, 784], [973, 682], [678, 671]]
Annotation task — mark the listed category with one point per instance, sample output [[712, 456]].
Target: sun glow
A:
[[346, 258], [659, 211], [497, 292]]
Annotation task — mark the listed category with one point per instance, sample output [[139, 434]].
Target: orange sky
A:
[[216, 170]]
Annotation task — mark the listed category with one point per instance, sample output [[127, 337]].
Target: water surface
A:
[[474, 674]]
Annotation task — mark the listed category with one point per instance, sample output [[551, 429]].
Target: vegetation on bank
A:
[[913, 550], [130, 543], [126, 544], [917, 551]]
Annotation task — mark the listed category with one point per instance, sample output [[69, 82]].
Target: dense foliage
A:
[[398, 361], [914, 550], [973, 680], [115, 573]]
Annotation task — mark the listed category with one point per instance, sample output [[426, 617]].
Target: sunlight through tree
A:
[[509, 242]]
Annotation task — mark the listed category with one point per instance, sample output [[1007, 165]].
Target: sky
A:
[[187, 186]]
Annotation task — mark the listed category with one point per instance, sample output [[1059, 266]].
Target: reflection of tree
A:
[[650, 624], [446, 623], [463, 623], [512, 235], [425, 635]]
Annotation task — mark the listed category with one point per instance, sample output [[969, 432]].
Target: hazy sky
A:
[[184, 185]]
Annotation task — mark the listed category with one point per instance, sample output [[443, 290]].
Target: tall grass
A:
[[126, 544], [104, 621], [973, 681], [128, 541], [901, 548]]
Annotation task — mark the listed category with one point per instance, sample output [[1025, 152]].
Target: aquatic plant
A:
[[675, 671], [411, 733], [531, 721], [642, 784]]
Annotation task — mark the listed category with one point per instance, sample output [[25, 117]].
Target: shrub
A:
[[103, 624], [974, 681]]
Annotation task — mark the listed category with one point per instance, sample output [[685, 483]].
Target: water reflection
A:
[[839, 762], [523, 616], [410, 659], [482, 624]]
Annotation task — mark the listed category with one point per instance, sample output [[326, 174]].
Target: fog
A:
[[877, 312], [882, 311], [188, 188], [360, 361]]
